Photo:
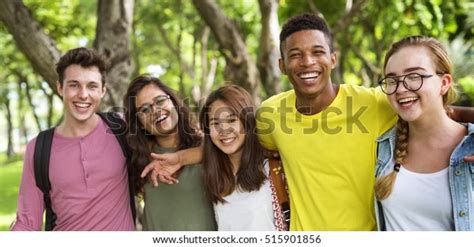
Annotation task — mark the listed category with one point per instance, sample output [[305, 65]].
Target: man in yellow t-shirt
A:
[[325, 133]]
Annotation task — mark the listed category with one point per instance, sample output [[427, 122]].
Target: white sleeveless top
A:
[[419, 202], [247, 211]]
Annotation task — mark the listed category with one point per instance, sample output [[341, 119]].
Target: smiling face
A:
[[81, 92], [411, 106], [156, 112], [225, 129], [307, 61]]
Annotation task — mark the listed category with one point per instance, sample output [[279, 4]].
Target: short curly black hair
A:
[[305, 21]]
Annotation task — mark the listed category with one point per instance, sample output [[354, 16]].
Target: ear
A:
[[446, 81], [104, 91], [59, 88], [281, 64], [333, 60]]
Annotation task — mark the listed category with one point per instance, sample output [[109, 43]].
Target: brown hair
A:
[[443, 65], [84, 57], [140, 141], [218, 176]]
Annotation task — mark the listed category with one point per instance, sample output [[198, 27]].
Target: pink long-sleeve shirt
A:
[[89, 185]]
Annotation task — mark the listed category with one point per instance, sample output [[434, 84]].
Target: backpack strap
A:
[[41, 156], [118, 127]]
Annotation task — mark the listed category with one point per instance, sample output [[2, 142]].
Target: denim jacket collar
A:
[[464, 147], [390, 134], [387, 140]]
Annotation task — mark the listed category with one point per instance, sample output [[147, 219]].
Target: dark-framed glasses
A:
[[159, 102], [412, 82]]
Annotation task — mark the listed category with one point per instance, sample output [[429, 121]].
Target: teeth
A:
[[161, 118], [227, 140], [84, 105], [405, 100], [309, 75]]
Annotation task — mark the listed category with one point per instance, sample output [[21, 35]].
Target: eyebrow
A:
[[76, 81], [314, 47], [214, 118], [143, 106], [407, 70], [154, 98]]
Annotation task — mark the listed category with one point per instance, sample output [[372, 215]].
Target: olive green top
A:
[[179, 207]]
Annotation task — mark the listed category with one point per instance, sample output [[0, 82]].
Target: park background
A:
[[196, 46]]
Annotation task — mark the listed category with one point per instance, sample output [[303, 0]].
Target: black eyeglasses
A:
[[159, 102], [412, 82]]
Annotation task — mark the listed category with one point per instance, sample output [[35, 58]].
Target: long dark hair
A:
[[218, 176], [140, 141]]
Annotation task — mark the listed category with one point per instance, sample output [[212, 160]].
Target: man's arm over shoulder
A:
[[462, 114], [30, 209], [386, 116], [265, 127]]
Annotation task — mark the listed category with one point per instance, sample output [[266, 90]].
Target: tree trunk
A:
[[269, 47], [23, 135], [10, 150], [352, 10], [31, 39], [210, 75], [240, 69], [50, 98], [50, 110], [114, 24], [208, 69], [32, 106], [184, 66]]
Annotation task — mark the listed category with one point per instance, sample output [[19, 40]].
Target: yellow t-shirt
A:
[[329, 157]]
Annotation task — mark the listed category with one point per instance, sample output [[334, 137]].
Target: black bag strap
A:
[[118, 127], [41, 156]]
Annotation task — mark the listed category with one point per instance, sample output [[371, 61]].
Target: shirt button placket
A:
[[83, 159]]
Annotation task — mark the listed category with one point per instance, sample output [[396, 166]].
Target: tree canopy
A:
[[196, 46]]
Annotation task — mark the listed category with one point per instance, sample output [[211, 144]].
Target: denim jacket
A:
[[460, 173]]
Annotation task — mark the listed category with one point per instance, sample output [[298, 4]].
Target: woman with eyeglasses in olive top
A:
[[422, 181], [159, 122]]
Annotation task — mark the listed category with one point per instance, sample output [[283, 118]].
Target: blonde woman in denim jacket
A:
[[422, 180]]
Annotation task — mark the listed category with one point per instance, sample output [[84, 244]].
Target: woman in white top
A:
[[235, 170], [421, 185]]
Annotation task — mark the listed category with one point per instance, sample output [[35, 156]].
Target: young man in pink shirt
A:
[[87, 168]]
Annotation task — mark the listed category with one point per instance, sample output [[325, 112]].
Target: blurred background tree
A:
[[197, 46]]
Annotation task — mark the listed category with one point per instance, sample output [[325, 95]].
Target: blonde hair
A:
[[384, 185], [443, 65], [439, 56]]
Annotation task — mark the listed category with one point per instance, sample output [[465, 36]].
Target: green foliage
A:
[[10, 175], [71, 23], [167, 35], [467, 95]]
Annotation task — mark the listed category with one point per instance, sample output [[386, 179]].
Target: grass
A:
[[10, 175]]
